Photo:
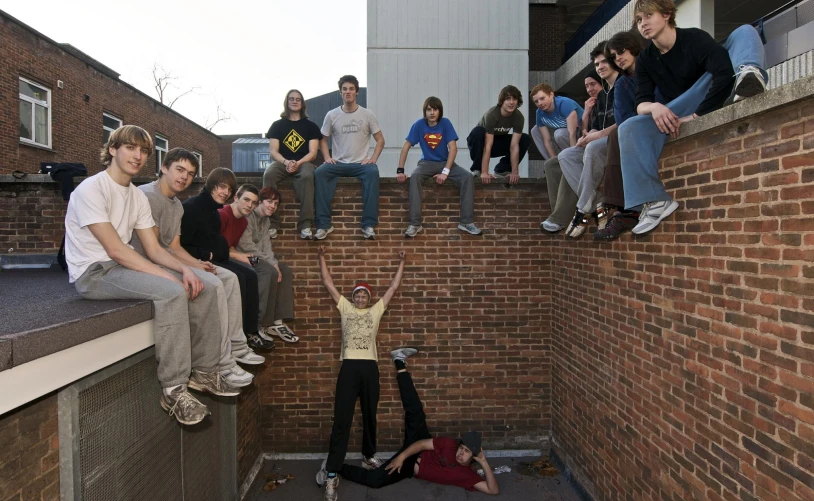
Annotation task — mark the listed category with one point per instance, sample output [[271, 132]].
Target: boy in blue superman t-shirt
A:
[[437, 138]]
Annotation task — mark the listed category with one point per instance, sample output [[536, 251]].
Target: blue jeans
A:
[[325, 178], [641, 142]]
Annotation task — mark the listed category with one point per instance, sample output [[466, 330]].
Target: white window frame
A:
[[160, 153], [199, 156], [105, 128], [46, 104]]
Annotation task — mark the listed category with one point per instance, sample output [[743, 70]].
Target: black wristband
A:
[[399, 170]]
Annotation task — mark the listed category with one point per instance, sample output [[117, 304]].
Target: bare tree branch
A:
[[171, 103], [221, 116], [163, 80]]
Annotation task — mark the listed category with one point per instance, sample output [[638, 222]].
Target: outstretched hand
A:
[[321, 251], [402, 255]]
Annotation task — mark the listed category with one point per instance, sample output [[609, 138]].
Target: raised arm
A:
[[394, 285], [327, 281]]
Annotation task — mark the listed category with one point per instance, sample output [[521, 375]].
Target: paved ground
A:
[[513, 486]]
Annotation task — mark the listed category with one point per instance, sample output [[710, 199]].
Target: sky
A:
[[240, 55]]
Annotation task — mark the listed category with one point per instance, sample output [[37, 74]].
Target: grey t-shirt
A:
[[498, 125], [167, 214], [350, 133]]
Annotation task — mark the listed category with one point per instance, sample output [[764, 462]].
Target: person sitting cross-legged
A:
[[437, 138], [440, 460]]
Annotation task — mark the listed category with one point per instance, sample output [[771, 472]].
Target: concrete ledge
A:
[[769, 100]]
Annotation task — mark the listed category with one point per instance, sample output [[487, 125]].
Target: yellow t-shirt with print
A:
[[359, 329]]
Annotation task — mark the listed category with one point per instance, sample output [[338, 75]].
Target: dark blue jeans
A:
[[325, 178]]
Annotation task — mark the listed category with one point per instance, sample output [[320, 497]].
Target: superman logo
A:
[[433, 140]]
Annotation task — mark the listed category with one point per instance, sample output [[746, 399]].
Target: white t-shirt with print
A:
[[350, 133], [99, 199]]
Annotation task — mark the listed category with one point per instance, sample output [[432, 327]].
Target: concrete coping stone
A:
[[771, 99]]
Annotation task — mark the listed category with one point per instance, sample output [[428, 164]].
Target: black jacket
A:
[[200, 229]]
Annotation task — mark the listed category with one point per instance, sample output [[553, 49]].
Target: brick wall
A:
[[684, 360], [76, 123], [546, 36], [476, 306], [29, 456], [249, 442]]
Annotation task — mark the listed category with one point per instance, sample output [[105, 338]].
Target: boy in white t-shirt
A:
[[102, 215], [350, 128]]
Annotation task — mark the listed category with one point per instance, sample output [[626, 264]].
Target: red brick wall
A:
[[476, 306], [684, 360], [29, 456], [77, 124]]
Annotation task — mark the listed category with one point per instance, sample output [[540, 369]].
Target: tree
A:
[[220, 116], [163, 80]]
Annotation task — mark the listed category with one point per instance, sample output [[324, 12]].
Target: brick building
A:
[[59, 105]]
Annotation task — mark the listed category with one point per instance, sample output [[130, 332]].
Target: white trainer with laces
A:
[[371, 463], [749, 82], [653, 214]]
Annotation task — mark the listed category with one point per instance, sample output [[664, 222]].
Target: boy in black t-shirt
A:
[[695, 75], [491, 138], [293, 143]]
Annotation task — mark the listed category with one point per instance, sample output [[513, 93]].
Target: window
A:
[[161, 148], [35, 113], [109, 124], [265, 160], [199, 156]]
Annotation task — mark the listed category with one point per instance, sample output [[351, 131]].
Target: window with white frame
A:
[[109, 124], [35, 113], [162, 146], [199, 156]]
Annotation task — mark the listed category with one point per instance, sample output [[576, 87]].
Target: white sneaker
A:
[[369, 233], [475, 173], [263, 331], [371, 463], [322, 233], [331, 486], [272, 232], [413, 230], [306, 234], [749, 82], [322, 474], [654, 213], [237, 377], [550, 226], [470, 228], [247, 356]]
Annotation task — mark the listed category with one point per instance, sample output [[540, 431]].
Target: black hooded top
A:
[[200, 229]]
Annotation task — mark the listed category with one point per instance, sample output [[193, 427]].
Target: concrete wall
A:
[[463, 52]]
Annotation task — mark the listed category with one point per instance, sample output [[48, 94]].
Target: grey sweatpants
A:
[[561, 140], [232, 337], [560, 195], [583, 169], [276, 299], [459, 176], [186, 332], [303, 186]]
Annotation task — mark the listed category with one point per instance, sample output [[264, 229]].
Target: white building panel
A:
[[455, 24], [463, 52]]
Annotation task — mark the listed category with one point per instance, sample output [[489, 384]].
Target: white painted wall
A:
[[696, 14], [462, 51]]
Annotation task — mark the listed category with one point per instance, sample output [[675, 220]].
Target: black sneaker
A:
[[619, 223], [257, 343]]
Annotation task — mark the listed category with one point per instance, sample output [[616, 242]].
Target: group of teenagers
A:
[[220, 295]]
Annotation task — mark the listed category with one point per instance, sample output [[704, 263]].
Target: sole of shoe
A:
[[369, 236], [167, 408], [465, 230], [193, 385], [240, 384], [551, 229], [322, 475], [307, 237], [249, 362], [664, 215], [392, 353], [749, 86]]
